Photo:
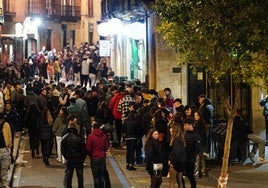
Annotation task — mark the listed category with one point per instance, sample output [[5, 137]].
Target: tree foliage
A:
[[227, 37]]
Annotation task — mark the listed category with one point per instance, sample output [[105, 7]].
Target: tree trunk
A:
[[229, 109], [222, 181]]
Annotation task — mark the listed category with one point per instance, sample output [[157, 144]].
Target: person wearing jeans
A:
[[73, 150], [96, 146]]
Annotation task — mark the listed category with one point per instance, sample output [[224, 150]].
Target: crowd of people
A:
[[89, 116]]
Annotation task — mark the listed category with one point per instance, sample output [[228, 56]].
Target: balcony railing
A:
[[55, 11], [9, 8], [125, 8]]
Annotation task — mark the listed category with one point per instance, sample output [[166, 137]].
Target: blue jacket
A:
[[264, 104]]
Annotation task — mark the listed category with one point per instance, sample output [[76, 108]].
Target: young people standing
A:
[[192, 140], [153, 155]]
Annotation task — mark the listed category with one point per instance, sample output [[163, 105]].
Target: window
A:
[[90, 8]]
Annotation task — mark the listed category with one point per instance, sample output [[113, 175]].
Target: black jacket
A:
[[177, 154], [45, 130], [153, 154], [131, 126], [73, 145], [193, 145]]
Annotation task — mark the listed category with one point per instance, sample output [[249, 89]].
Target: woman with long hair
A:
[[160, 124], [200, 128], [177, 157], [153, 154], [57, 129]]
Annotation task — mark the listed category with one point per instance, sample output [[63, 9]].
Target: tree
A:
[[227, 37]]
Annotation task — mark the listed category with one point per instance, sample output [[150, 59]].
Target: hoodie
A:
[[97, 144]]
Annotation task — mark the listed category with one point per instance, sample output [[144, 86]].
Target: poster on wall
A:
[[104, 48], [1, 13]]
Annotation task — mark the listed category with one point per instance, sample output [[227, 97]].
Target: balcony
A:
[[9, 10], [54, 12], [132, 10]]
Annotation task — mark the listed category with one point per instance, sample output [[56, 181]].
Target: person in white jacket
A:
[[84, 72]]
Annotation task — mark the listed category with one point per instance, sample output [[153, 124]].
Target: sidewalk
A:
[[140, 178], [244, 175], [11, 171]]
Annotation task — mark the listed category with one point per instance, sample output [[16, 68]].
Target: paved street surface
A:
[[32, 173]]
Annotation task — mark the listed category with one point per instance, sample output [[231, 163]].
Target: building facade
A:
[[136, 50]]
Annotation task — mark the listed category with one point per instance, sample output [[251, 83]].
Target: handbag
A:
[[157, 166], [49, 117]]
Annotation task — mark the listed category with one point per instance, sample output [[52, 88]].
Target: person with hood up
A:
[[96, 146]]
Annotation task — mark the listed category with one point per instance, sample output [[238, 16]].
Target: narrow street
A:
[[32, 173]]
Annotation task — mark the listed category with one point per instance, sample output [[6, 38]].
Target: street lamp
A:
[[24, 31]]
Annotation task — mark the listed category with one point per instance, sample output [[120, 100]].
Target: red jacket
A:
[[113, 105], [97, 144]]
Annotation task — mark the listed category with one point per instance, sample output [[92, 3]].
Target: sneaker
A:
[[260, 159], [251, 157]]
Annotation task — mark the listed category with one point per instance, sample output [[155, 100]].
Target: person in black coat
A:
[[105, 116], [45, 136], [130, 129], [32, 123], [153, 154], [73, 149], [193, 145], [239, 141], [200, 129], [177, 156]]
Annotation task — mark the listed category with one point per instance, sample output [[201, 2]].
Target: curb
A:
[[17, 141]]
